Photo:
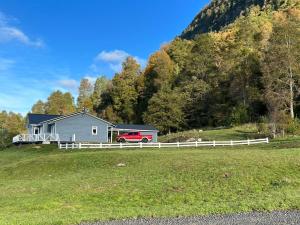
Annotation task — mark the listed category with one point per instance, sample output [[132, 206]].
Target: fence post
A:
[[159, 145], [101, 145], [121, 145], [248, 142], [79, 145], [141, 144], [72, 145], [214, 143], [231, 143], [267, 139], [66, 145], [196, 143], [178, 145]]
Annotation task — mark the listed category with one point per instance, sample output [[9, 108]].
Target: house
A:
[[77, 127]]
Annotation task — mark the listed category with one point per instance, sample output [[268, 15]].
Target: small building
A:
[[77, 127]]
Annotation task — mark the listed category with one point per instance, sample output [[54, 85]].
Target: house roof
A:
[[39, 118], [74, 114], [135, 127]]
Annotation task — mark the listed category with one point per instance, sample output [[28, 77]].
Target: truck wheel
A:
[[122, 140], [145, 140]]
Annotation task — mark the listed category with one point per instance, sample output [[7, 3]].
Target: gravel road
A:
[[274, 218]]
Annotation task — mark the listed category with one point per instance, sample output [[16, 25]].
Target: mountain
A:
[[220, 13]]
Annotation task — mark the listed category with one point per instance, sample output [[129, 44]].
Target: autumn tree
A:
[[100, 90], [84, 99], [39, 107], [11, 124], [124, 93], [281, 64], [160, 71], [165, 110], [60, 103]]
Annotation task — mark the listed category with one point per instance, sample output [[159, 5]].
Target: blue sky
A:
[[51, 44]]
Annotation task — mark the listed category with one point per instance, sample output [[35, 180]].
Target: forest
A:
[[240, 69]]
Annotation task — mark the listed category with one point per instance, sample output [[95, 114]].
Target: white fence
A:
[[31, 138], [163, 145]]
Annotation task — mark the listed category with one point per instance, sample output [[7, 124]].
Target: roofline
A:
[[74, 114], [154, 129], [121, 129], [44, 114]]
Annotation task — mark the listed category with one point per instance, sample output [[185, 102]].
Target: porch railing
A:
[[23, 138]]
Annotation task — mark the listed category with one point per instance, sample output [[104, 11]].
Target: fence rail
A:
[[163, 145]]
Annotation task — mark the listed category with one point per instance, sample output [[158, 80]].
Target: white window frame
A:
[[96, 128]]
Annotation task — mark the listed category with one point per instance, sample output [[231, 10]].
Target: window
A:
[[36, 130], [94, 130]]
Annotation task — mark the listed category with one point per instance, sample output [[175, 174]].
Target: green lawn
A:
[[234, 133], [48, 186]]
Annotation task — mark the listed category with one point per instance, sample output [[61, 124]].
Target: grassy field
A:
[[223, 134], [48, 186]]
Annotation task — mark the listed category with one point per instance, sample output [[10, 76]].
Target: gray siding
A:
[[81, 125]]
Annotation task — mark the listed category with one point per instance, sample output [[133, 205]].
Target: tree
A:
[[251, 34], [60, 103], [100, 87], [165, 110], [179, 50], [11, 124], [281, 64], [160, 71], [194, 92], [124, 93], [38, 107], [84, 99]]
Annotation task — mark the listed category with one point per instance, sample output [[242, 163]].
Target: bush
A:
[[263, 126], [5, 138], [239, 115], [293, 126]]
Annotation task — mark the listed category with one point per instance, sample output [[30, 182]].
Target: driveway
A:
[[273, 218]]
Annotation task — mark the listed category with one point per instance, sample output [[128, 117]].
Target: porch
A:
[[36, 138]]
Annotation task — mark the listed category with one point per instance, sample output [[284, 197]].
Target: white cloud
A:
[[91, 79], [115, 56], [6, 64], [69, 84], [114, 59], [10, 33]]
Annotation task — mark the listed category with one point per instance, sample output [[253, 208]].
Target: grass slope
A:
[[48, 186], [234, 133]]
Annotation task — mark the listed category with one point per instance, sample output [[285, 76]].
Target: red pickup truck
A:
[[134, 137]]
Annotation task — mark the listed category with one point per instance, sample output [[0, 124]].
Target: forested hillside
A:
[[220, 13], [249, 71]]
